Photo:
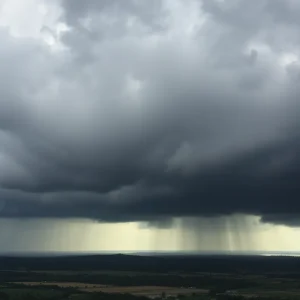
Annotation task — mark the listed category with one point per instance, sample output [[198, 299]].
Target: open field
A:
[[141, 278], [134, 290], [77, 285]]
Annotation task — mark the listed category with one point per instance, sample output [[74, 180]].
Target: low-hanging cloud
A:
[[149, 110]]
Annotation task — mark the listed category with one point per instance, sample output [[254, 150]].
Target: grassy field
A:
[[209, 285], [230, 278], [134, 290]]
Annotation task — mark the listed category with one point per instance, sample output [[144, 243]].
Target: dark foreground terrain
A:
[[143, 277]]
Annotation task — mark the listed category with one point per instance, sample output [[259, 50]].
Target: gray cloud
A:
[[148, 114]]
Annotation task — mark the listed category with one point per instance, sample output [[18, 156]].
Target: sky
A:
[[149, 125]]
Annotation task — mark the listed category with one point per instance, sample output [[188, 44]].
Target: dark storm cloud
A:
[[148, 114], [289, 219]]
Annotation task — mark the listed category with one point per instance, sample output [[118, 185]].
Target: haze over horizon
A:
[[149, 125]]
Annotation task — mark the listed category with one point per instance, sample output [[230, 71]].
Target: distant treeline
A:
[[192, 263]]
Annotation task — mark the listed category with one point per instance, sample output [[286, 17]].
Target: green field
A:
[[141, 278]]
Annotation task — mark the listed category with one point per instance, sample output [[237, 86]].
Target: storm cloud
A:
[[149, 110]]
